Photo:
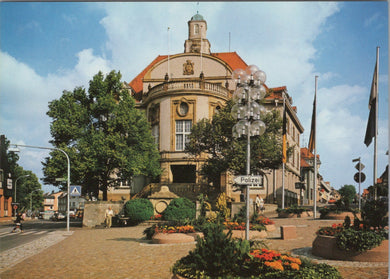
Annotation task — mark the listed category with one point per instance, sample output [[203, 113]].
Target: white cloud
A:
[[25, 96]]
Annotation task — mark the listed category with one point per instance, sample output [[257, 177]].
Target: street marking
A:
[[9, 233]]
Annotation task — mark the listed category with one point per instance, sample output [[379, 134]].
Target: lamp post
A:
[[249, 90], [31, 198], [16, 183], [68, 184]]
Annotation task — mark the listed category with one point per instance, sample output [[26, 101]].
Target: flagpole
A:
[[376, 123], [284, 164], [315, 155], [168, 52]]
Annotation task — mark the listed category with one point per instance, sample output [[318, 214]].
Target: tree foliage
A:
[[347, 193], [214, 137], [28, 188], [107, 139]]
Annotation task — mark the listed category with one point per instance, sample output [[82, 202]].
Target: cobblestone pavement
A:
[[122, 253]]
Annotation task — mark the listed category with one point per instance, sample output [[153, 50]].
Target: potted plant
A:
[[365, 240]]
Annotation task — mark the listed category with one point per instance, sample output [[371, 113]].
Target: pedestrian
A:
[[259, 204], [108, 217], [18, 223]]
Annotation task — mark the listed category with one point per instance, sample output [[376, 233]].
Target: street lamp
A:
[[16, 182], [250, 89], [68, 184]]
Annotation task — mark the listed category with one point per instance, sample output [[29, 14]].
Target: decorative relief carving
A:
[[188, 68]]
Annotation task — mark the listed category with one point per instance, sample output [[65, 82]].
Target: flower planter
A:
[[341, 215], [307, 214], [270, 228], [252, 234], [287, 215], [326, 247], [169, 238]]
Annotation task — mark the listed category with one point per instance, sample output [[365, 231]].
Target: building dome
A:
[[197, 17]]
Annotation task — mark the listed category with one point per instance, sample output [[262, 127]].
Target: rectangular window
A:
[[183, 129]]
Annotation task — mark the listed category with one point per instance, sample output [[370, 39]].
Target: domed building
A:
[[176, 91]]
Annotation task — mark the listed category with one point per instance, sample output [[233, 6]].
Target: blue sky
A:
[[50, 47]]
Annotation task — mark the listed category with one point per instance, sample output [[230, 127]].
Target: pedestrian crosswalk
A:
[[26, 232]]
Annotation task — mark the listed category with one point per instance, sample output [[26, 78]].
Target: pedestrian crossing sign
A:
[[75, 191]]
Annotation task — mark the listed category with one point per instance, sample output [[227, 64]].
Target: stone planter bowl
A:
[[325, 247], [341, 215], [169, 238]]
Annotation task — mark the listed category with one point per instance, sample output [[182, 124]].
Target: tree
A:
[[214, 137], [107, 139], [26, 186], [347, 193]]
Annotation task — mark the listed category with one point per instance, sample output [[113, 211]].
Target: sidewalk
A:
[[121, 253]]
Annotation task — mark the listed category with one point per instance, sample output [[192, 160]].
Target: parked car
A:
[[72, 215], [58, 216]]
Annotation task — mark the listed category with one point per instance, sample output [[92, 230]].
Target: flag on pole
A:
[[371, 124], [312, 139], [284, 147]]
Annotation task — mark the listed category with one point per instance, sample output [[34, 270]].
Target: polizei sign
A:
[[252, 180]]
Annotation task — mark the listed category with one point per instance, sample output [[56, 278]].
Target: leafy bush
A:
[[293, 210], [179, 209], [220, 256], [139, 210], [221, 205], [358, 240], [374, 214], [217, 254]]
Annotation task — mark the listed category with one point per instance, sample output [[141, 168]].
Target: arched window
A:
[[196, 29]]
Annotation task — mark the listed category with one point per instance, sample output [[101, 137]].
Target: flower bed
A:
[[238, 230], [326, 247], [340, 215], [164, 234], [169, 238], [342, 242], [293, 212]]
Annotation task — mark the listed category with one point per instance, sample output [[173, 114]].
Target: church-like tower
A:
[[197, 36]]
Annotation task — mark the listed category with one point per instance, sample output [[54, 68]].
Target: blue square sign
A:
[[75, 191]]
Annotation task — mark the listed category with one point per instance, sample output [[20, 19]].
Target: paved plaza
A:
[[123, 253]]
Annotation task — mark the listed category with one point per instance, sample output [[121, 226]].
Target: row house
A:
[[50, 201]]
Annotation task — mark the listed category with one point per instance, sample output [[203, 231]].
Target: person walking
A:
[[259, 204], [18, 223], [108, 217]]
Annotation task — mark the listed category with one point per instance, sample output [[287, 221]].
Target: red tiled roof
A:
[[231, 58], [276, 93], [304, 164], [136, 83], [305, 153]]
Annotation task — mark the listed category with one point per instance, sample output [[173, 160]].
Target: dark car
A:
[[58, 216]]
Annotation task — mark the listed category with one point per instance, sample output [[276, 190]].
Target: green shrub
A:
[[217, 254], [358, 240], [374, 214], [220, 256], [139, 210], [179, 209]]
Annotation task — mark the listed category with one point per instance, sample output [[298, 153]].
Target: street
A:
[[32, 230]]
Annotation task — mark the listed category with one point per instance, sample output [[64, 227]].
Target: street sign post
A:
[[75, 191], [249, 180], [359, 166], [362, 177]]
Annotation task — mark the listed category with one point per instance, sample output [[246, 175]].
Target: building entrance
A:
[[183, 173]]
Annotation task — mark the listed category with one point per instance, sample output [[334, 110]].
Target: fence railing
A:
[[189, 85]]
